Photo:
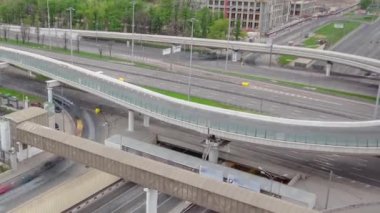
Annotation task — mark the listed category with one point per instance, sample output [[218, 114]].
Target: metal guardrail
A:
[[359, 137]]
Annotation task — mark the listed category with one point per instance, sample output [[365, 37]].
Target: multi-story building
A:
[[302, 8], [254, 15]]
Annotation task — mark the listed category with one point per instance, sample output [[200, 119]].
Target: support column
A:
[[13, 158], [50, 94], [213, 155], [131, 121], [26, 103], [234, 55], [151, 200], [328, 68], [146, 121]]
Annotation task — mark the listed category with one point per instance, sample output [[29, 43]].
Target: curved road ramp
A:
[[339, 137]]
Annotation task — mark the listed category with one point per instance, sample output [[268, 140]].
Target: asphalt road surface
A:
[[364, 42]]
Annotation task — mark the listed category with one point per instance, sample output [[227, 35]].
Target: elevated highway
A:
[[343, 137], [216, 195], [360, 62]]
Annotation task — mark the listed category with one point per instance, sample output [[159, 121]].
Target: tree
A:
[[219, 29], [238, 32], [364, 4]]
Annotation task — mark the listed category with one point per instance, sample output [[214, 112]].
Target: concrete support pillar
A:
[[151, 200], [26, 103], [5, 136], [234, 56], [213, 155], [328, 68], [131, 121], [50, 94], [13, 158], [146, 121]]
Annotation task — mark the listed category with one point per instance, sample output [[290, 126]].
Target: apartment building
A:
[[302, 8], [254, 15]]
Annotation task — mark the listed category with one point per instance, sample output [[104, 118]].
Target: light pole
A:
[[192, 20], [133, 26], [48, 17], [71, 9], [228, 35], [377, 103], [328, 190]]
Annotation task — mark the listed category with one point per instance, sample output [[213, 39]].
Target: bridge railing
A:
[[201, 118]]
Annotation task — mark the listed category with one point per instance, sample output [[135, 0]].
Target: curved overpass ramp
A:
[[360, 62], [344, 137]]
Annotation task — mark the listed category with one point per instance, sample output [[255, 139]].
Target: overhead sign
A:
[[176, 49], [339, 25], [166, 51]]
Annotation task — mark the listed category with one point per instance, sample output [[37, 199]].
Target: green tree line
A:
[[151, 16]]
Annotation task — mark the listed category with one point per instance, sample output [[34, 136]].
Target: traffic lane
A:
[[354, 167], [365, 42], [39, 186]]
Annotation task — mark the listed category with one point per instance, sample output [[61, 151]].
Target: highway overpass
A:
[[216, 195], [368, 64], [342, 137]]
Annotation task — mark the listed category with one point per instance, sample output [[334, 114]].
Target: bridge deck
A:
[[206, 192]]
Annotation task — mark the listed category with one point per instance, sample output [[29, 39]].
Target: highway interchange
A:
[[270, 99]]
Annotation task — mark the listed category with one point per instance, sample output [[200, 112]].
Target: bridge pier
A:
[[235, 55], [151, 200], [131, 121], [146, 121], [26, 103], [213, 146], [328, 68], [49, 106]]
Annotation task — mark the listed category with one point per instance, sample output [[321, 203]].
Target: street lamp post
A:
[[328, 190], [377, 103], [71, 9], [228, 35], [192, 20], [48, 17], [133, 26]]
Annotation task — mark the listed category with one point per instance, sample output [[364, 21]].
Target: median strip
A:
[[200, 100]]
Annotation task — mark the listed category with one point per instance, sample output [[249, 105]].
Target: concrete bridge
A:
[[29, 128]]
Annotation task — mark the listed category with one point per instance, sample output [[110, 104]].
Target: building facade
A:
[[303, 8], [254, 15]]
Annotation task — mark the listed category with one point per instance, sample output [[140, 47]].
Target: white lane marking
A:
[[357, 169], [291, 156], [325, 157], [293, 95], [365, 177], [323, 162]]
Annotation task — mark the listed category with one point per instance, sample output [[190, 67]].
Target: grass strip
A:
[[327, 32], [19, 95], [76, 53], [200, 100]]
